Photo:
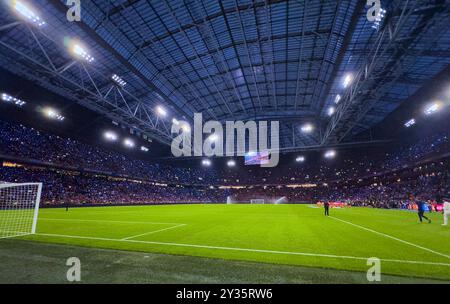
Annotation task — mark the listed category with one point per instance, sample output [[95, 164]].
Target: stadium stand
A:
[[106, 177]]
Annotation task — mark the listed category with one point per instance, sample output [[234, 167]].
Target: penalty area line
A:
[[151, 232], [320, 255], [391, 237]]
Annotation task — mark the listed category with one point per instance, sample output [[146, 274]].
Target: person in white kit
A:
[[446, 210]]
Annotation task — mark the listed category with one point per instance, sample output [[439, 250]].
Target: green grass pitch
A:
[[295, 235]]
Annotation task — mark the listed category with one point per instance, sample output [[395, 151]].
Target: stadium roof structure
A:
[[233, 60]]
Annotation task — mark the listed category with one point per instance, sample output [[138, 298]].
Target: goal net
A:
[[257, 201], [19, 207]]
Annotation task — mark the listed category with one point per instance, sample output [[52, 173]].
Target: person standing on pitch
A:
[[446, 210], [421, 208], [326, 205]]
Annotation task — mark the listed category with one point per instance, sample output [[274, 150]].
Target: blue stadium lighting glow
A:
[[347, 80], [81, 53], [53, 114], [378, 19], [111, 136], [300, 159], [330, 154], [27, 13], [331, 111], [432, 108], [9, 99], [206, 162], [410, 123], [144, 149], [337, 99], [175, 121], [128, 143], [307, 128], [119, 81], [231, 163], [161, 111]]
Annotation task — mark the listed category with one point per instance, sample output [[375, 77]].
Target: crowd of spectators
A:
[[27, 143], [20, 141], [382, 180], [62, 187]]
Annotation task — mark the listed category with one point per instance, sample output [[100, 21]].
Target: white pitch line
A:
[[151, 232], [245, 249], [392, 237], [105, 221]]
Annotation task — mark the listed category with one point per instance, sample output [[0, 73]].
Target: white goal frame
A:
[[257, 201], [37, 201]]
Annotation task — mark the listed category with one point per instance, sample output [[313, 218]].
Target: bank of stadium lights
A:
[[53, 114], [307, 128], [119, 81], [206, 162], [128, 143], [378, 19], [337, 99], [26, 12], [300, 159], [161, 111], [144, 149], [410, 123], [348, 78], [432, 108], [80, 52], [331, 111], [231, 163], [330, 154], [9, 99], [110, 136]]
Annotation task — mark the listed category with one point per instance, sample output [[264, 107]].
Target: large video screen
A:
[[256, 158]]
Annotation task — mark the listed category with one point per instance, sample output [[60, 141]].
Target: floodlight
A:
[[337, 99], [144, 149], [111, 136], [231, 163], [161, 111], [80, 52], [27, 13], [206, 162], [432, 108], [9, 99], [300, 159], [307, 128], [330, 154], [53, 114], [117, 80], [410, 123], [331, 111], [347, 80], [128, 143]]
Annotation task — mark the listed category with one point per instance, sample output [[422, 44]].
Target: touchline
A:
[[251, 132]]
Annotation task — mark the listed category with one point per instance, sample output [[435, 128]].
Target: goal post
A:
[[19, 208]]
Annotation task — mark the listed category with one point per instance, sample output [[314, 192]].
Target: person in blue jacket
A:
[[421, 208]]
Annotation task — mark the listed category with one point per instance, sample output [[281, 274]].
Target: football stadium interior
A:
[[225, 141]]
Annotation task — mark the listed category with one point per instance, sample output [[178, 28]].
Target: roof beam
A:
[[102, 43]]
